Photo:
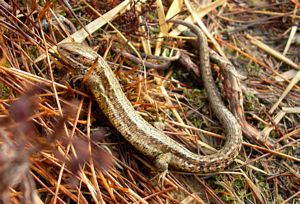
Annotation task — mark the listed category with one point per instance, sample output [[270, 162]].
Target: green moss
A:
[[238, 184], [196, 96], [252, 67], [227, 198], [166, 52], [251, 101], [4, 91]]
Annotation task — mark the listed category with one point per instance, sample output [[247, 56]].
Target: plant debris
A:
[[57, 147]]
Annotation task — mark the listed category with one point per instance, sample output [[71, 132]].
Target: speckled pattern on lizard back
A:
[[143, 136]]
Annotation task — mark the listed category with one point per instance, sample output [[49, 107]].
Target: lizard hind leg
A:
[[162, 163]]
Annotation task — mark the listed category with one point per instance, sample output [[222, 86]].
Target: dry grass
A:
[[57, 146]]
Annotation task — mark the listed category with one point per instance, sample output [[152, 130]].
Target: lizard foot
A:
[[162, 163]]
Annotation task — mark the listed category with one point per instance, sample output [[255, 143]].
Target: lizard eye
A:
[[75, 55]]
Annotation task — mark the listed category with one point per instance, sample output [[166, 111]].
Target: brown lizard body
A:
[[143, 136]]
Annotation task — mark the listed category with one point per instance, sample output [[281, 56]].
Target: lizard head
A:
[[78, 56]]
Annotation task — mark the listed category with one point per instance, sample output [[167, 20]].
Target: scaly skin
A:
[[150, 141]]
